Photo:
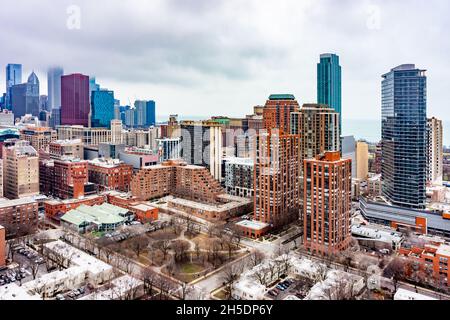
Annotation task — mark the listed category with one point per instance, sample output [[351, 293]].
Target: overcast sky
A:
[[221, 57]]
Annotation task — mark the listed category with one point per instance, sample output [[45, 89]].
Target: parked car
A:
[[60, 297]]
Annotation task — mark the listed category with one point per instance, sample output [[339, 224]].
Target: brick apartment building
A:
[[143, 211], [277, 164], [19, 213], [327, 203], [110, 174], [176, 178], [318, 125], [2, 246], [430, 260], [65, 178], [54, 207]]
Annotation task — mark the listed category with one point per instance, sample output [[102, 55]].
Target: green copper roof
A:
[[281, 97]]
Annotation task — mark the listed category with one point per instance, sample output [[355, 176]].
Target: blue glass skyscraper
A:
[[329, 83], [404, 136], [150, 113], [102, 107], [144, 115], [13, 77]]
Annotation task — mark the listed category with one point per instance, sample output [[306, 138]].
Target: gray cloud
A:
[[224, 56]]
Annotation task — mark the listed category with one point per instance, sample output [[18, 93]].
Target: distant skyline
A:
[[223, 57]]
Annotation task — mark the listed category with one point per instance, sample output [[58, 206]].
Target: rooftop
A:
[[252, 224], [99, 214], [281, 97], [105, 162], [443, 250], [4, 203], [403, 294]]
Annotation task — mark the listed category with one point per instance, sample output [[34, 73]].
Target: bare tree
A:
[[149, 278], [210, 230], [34, 267], [164, 286], [180, 248], [237, 234], [139, 243], [190, 223], [230, 275], [395, 270], [320, 273], [256, 257], [197, 249], [260, 276], [163, 246], [185, 289]]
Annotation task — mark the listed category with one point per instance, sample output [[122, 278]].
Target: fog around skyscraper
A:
[[230, 51]]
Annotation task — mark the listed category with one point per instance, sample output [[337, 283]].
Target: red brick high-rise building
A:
[[277, 112], [75, 106], [277, 164], [327, 203]]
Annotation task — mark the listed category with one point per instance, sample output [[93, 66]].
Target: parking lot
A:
[[26, 261], [289, 286]]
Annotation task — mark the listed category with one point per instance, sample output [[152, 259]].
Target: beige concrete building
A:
[[89, 136], [434, 151], [362, 160], [72, 148], [21, 171], [39, 137], [116, 131]]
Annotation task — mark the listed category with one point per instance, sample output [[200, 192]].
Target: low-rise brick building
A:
[[429, 260], [2, 246], [54, 207], [176, 178], [65, 178], [110, 174], [19, 213]]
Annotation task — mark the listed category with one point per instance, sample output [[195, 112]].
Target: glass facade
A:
[[75, 100], [329, 83], [404, 136], [102, 103], [13, 77]]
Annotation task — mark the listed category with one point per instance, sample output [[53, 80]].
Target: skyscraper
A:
[[102, 106], [329, 82], [327, 199], [13, 77], [201, 144], [24, 97], [277, 112], [318, 126], [75, 107], [277, 164], [404, 136], [434, 151], [54, 75], [144, 113]]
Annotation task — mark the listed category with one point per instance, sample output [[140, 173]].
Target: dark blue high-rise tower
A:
[[329, 83], [404, 136], [102, 108]]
